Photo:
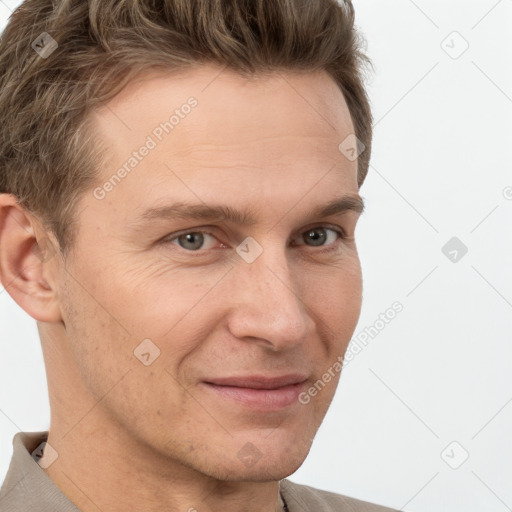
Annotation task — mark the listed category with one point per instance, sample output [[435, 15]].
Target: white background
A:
[[441, 370]]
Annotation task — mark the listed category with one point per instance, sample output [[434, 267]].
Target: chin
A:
[[269, 463], [262, 471]]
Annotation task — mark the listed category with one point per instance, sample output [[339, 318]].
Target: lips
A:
[[259, 382], [257, 392]]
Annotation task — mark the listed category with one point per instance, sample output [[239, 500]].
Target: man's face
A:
[[265, 146]]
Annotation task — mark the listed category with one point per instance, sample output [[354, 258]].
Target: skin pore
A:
[[131, 436]]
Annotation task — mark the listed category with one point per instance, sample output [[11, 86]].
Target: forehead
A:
[[211, 129], [230, 108]]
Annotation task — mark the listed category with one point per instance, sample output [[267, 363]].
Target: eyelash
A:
[[199, 252]]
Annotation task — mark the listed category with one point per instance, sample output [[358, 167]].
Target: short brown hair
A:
[[49, 154]]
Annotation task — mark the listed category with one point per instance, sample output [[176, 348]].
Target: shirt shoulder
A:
[[303, 498], [27, 488]]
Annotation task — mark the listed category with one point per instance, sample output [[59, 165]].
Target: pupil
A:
[[314, 238], [189, 238]]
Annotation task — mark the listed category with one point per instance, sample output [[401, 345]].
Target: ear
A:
[[29, 259]]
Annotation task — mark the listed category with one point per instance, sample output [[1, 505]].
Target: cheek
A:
[[157, 300], [336, 293], [100, 343], [102, 339], [336, 303]]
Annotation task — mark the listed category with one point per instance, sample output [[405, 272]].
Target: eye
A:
[[319, 235], [191, 240]]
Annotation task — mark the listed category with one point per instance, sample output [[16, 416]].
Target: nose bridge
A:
[[268, 303]]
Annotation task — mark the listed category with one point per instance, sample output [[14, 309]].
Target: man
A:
[[179, 199]]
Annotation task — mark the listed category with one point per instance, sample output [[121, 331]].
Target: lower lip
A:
[[260, 399]]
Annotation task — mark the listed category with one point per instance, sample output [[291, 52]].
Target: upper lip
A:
[[259, 381]]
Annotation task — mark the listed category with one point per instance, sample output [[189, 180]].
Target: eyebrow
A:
[[205, 212]]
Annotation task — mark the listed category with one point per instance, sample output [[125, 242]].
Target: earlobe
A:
[[26, 258]]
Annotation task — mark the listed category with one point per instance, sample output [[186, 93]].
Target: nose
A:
[[267, 303]]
